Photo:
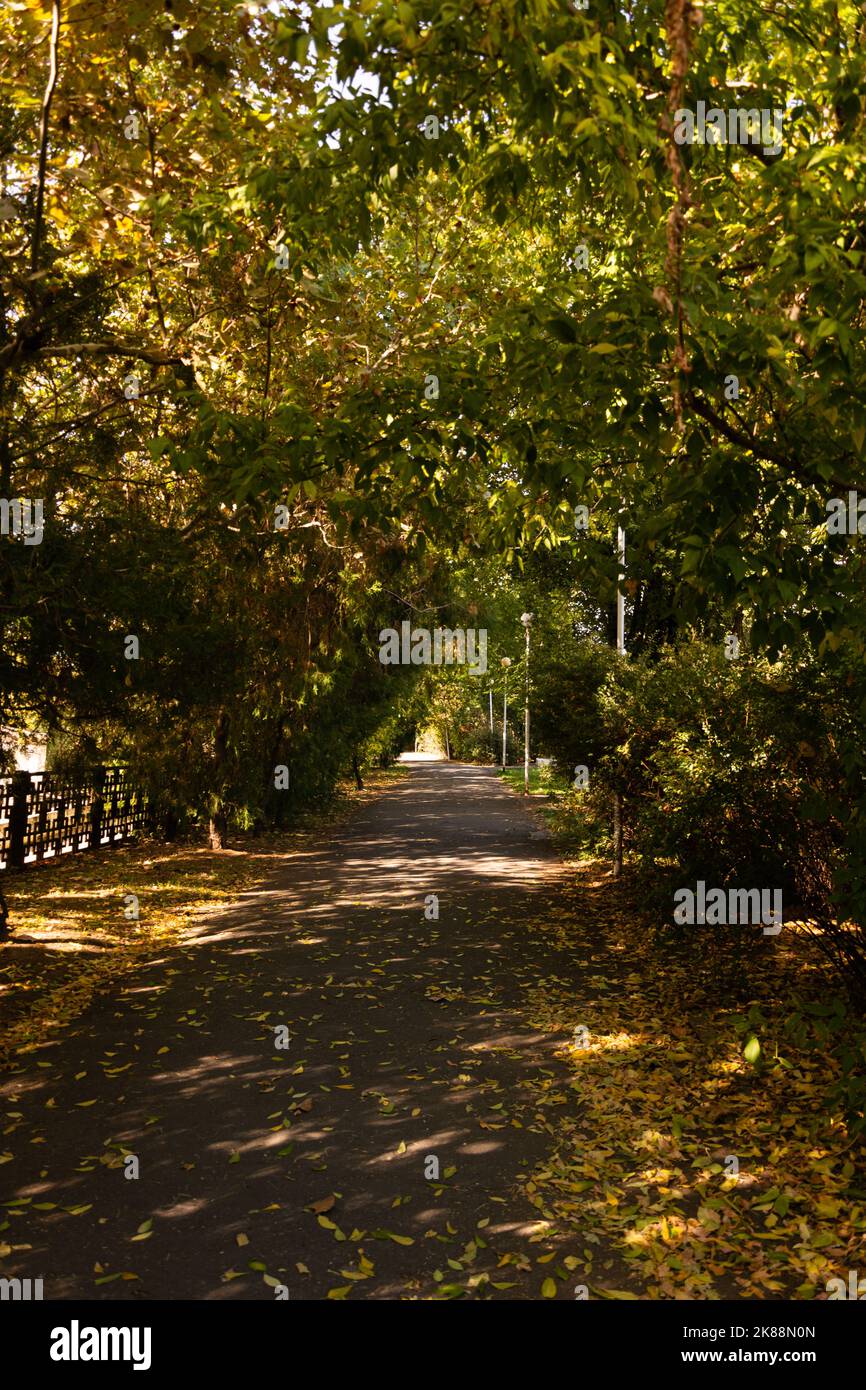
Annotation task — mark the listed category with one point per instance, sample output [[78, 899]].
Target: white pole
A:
[[505, 720], [526, 726], [620, 646], [620, 594]]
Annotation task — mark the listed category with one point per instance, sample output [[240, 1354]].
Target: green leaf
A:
[[563, 329]]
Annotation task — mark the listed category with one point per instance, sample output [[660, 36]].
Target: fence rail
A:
[[44, 815]]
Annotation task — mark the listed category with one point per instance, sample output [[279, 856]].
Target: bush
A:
[[731, 774], [740, 773]]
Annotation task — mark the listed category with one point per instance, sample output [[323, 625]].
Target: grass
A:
[[543, 781], [580, 828], [668, 1094]]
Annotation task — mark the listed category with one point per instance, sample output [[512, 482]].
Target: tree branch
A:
[[43, 136], [159, 357], [760, 450]]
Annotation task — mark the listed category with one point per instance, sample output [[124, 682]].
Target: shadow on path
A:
[[407, 1044]]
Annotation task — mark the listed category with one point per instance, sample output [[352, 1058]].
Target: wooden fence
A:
[[44, 815]]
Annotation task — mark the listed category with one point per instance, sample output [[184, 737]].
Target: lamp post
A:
[[620, 594], [620, 646], [506, 662], [526, 619], [492, 730]]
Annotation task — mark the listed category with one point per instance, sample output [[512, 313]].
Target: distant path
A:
[[408, 1039]]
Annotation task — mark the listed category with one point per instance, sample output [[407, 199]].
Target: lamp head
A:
[[526, 618]]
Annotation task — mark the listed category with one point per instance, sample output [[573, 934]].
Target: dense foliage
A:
[[318, 318]]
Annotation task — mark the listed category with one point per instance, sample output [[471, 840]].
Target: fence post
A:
[[21, 786], [97, 808]]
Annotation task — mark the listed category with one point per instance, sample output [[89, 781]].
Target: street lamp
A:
[[620, 646], [526, 619], [620, 594], [506, 662]]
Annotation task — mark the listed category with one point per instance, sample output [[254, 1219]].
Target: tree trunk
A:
[[279, 815], [216, 830], [357, 771], [218, 825]]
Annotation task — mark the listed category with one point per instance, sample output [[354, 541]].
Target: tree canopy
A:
[[314, 316]]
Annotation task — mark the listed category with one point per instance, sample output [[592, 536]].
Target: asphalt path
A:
[[384, 1150]]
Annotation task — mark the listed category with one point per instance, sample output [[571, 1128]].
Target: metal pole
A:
[[526, 723], [620, 594], [620, 646], [505, 721], [492, 730]]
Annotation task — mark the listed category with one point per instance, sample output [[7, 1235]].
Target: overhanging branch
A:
[[43, 136]]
